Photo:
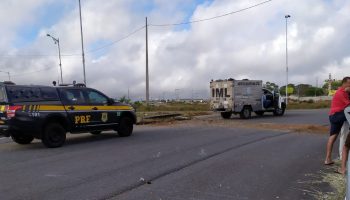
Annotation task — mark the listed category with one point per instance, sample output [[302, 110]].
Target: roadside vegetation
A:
[[175, 106], [205, 107], [315, 186], [172, 106], [292, 105]]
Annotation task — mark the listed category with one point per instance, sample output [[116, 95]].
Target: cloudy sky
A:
[[249, 44]]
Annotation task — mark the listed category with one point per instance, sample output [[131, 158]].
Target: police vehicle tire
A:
[[126, 127], [22, 138], [226, 115], [96, 132], [246, 113], [259, 113], [54, 135]]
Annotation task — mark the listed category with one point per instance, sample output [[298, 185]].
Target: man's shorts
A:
[[337, 120]]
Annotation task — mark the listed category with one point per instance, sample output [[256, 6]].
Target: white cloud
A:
[[249, 44]]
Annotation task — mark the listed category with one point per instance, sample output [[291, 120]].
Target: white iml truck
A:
[[243, 97]]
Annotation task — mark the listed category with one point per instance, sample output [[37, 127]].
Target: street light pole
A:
[[8, 74], [57, 41], [147, 72], [82, 43], [287, 70]]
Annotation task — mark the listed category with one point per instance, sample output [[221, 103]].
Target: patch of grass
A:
[[205, 107], [174, 106], [308, 105], [335, 182]]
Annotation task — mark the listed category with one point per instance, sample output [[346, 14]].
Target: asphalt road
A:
[[314, 117], [176, 162]]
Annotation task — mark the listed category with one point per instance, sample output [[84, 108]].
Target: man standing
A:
[[337, 117]]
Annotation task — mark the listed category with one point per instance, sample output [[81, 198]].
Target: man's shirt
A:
[[340, 101]]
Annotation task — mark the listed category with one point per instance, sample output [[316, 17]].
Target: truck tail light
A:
[[11, 111]]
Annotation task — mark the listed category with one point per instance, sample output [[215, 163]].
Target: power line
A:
[[32, 72], [90, 51], [211, 18], [35, 55], [136, 31], [117, 41], [76, 54]]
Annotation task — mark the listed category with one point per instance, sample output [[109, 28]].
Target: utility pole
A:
[[8, 74], [82, 43], [177, 94], [316, 87], [57, 41], [147, 77], [329, 84], [287, 70], [128, 93]]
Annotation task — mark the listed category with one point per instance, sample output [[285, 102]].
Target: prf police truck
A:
[[48, 113], [244, 97]]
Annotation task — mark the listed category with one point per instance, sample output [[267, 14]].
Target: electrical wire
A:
[[36, 55], [136, 31], [76, 54], [117, 41], [90, 51], [210, 18], [32, 72], [129, 35]]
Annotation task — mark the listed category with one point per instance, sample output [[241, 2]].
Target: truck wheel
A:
[[226, 115], [96, 132], [246, 113], [54, 135], [22, 138], [279, 111], [125, 127], [259, 113]]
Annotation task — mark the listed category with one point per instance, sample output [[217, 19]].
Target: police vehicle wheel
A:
[[259, 113], [22, 138], [226, 115], [96, 132], [54, 135], [126, 127], [246, 113]]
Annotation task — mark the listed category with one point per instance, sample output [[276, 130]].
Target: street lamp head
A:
[[287, 16]]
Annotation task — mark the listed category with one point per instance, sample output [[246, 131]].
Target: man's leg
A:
[[330, 143], [336, 120]]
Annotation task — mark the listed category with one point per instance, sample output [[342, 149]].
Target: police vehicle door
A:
[[79, 111], [104, 115]]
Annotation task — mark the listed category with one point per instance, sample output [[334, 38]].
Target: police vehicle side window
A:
[[18, 94], [72, 96], [49, 93], [96, 97]]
